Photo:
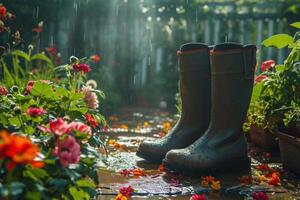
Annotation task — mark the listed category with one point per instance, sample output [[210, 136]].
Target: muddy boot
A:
[[194, 75], [223, 146]]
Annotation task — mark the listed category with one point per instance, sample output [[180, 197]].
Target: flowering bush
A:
[[49, 141], [276, 97]]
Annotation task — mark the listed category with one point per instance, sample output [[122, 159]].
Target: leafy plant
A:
[[276, 96]]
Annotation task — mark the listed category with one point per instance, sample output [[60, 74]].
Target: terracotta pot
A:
[[263, 138], [290, 151]]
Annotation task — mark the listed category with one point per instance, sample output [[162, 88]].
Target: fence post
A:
[[217, 31], [259, 38]]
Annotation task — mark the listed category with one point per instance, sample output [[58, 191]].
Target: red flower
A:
[[265, 66], [95, 58], [3, 91], [259, 196], [52, 50], [260, 78], [263, 167], [35, 112], [91, 120], [18, 151], [198, 197], [82, 68], [3, 12], [127, 191]]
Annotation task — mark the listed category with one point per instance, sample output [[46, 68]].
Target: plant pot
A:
[[263, 138], [290, 151]]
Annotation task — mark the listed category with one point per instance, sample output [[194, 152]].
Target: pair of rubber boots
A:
[[215, 87]]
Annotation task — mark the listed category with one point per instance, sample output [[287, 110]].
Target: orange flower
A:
[[275, 179], [210, 181], [120, 197], [18, 150], [207, 180], [262, 178], [216, 185], [161, 168], [95, 58], [138, 172]]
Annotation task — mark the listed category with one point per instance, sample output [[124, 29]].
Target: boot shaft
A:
[[232, 74], [195, 83]]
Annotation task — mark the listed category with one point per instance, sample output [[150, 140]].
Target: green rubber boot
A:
[[194, 75], [222, 147]]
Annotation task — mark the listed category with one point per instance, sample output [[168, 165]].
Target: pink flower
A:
[[58, 127], [35, 112], [3, 91], [82, 68], [68, 151], [260, 78], [127, 191], [95, 58], [268, 64], [81, 127], [198, 197], [259, 196], [90, 97], [29, 87]]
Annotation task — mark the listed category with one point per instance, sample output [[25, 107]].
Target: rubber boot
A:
[[194, 82], [223, 147]]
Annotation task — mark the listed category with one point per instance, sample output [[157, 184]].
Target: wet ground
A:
[[122, 168]]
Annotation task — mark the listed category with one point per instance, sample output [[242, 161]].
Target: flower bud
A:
[[14, 89], [12, 106], [17, 110], [74, 60], [30, 47]]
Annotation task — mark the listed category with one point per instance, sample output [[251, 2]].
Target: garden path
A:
[[122, 167]]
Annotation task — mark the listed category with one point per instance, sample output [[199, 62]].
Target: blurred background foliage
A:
[[138, 39]]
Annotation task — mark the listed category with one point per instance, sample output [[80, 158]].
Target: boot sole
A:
[[150, 157], [233, 165]]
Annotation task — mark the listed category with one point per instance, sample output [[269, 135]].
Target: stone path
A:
[[129, 128]]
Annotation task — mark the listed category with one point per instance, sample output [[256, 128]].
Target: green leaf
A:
[[29, 130], [278, 41], [58, 183], [62, 92], [41, 56], [76, 96], [39, 173], [14, 121], [40, 89], [280, 68], [21, 54], [256, 92], [35, 195], [296, 25], [16, 188], [78, 194], [85, 183]]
